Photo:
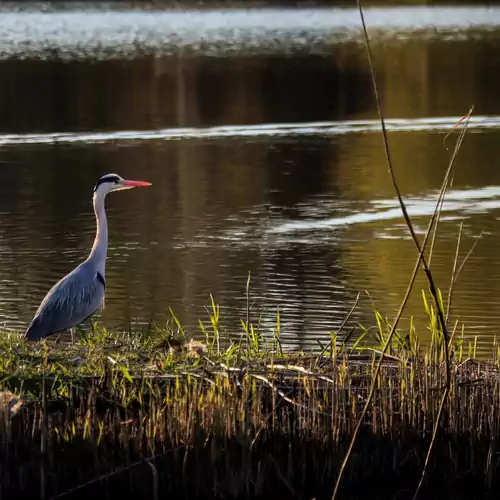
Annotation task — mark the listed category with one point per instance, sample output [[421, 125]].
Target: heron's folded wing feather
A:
[[70, 301]]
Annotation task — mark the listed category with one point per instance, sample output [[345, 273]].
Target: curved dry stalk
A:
[[406, 216], [420, 260]]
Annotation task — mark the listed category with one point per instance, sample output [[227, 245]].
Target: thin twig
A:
[[44, 436], [301, 369], [455, 152], [154, 471], [454, 272], [348, 337], [247, 290], [447, 340], [276, 389], [283, 479], [457, 274], [469, 253], [145, 461], [452, 336], [434, 232], [346, 319], [431, 445], [465, 117]]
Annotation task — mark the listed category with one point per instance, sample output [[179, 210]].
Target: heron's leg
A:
[[73, 331], [80, 330], [84, 335], [88, 321]]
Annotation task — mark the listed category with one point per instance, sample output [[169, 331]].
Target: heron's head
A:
[[113, 182]]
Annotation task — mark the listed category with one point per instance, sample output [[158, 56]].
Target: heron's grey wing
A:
[[69, 302]]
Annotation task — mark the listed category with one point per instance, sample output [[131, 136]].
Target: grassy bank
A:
[[244, 419], [163, 416]]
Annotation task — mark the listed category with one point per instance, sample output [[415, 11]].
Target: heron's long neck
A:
[[100, 247]]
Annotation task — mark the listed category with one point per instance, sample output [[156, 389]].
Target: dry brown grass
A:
[[193, 423]]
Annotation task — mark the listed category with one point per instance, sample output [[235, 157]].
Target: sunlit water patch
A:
[[460, 203], [107, 34], [310, 245]]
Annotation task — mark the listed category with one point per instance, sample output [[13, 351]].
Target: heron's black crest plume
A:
[[106, 178]]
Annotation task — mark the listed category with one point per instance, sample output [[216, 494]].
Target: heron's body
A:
[[78, 295], [71, 301]]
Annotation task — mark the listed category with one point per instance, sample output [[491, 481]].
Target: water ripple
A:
[[464, 202], [326, 128]]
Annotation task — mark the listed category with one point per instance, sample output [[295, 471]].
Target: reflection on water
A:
[[268, 163], [120, 34]]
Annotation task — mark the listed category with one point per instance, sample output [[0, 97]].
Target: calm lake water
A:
[[259, 132]]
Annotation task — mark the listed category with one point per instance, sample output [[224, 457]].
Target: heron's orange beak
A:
[[136, 183]]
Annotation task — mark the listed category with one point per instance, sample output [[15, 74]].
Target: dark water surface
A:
[[259, 133]]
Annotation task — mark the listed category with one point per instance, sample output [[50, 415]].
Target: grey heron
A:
[[78, 295]]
